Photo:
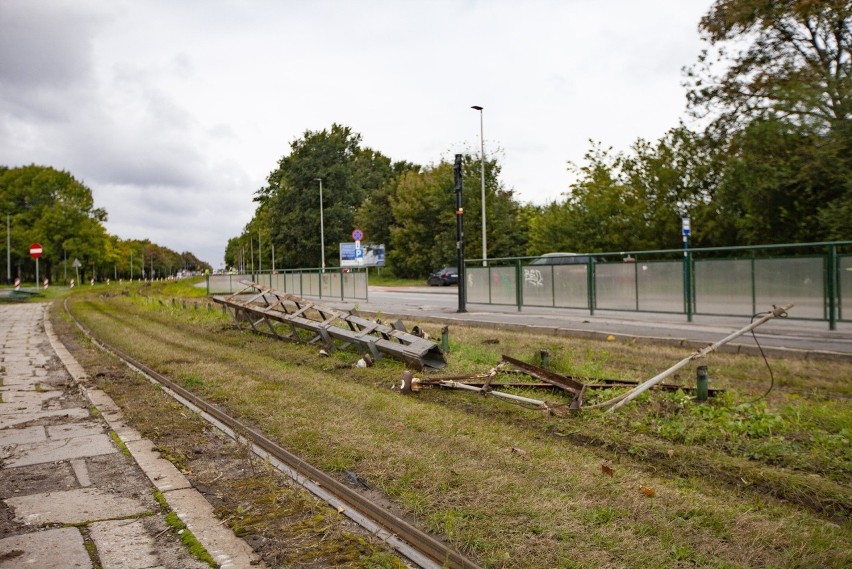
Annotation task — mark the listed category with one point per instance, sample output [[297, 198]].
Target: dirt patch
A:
[[36, 479]]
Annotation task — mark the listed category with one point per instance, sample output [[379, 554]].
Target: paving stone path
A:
[[69, 497]]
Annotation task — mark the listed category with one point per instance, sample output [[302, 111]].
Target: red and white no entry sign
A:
[[35, 250]]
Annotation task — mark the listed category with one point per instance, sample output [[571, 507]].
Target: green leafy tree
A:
[[633, 200], [424, 230], [787, 59], [349, 173], [52, 208], [375, 214], [423, 207], [778, 91]]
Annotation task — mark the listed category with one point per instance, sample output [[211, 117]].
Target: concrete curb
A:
[[731, 348]]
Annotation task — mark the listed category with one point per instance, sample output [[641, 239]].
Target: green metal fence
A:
[[334, 282], [724, 281]]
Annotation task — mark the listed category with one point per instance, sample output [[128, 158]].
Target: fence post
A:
[[701, 383], [519, 285], [831, 281], [687, 276], [591, 283]]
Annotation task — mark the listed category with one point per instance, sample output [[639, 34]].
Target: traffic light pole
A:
[[457, 178]]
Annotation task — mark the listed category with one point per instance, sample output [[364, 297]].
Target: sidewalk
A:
[[69, 496]]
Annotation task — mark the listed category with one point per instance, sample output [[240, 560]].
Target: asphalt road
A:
[[427, 303]]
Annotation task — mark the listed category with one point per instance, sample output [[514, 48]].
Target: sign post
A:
[[35, 252], [76, 264], [687, 292]]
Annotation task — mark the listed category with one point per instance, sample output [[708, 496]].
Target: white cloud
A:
[[174, 112]]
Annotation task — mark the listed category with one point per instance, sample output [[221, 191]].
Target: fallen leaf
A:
[[399, 426], [670, 453], [648, 491], [341, 509], [607, 470], [519, 451], [610, 338]]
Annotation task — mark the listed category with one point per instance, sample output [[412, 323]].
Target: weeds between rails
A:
[[734, 485]]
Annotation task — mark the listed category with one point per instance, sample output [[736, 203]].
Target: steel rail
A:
[[424, 549]]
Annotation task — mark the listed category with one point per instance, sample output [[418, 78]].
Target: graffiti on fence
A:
[[533, 277]]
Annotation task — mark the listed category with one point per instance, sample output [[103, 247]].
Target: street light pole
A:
[[322, 229], [482, 164], [8, 251]]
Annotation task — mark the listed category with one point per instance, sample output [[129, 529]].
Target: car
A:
[[444, 277], [563, 259]]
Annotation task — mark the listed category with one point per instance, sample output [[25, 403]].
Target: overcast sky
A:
[[174, 112]]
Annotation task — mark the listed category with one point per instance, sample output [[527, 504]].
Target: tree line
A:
[[40, 204], [771, 164]]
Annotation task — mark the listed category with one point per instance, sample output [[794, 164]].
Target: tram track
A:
[[417, 546]]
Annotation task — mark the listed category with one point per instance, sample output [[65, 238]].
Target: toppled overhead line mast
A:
[[283, 315]]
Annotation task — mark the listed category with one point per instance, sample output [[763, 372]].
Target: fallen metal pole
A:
[[625, 398], [465, 386]]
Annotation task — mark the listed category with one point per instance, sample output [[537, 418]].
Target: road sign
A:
[[35, 250], [357, 235], [685, 226], [76, 264]]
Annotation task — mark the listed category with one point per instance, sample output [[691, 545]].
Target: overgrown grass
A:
[[664, 482]]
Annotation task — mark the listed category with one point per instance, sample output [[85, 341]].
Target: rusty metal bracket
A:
[[256, 303]]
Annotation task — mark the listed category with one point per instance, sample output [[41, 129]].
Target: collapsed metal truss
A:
[[265, 310]]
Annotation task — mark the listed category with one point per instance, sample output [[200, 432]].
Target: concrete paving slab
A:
[[124, 544], [22, 418], [63, 449], [56, 548], [25, 435], [73, 507], [28, 400], [11, 383], [72, 430]]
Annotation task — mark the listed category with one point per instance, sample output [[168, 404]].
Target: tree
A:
[[50, 207], [375, 214], [779, 96], [633, 200], [788, 59], [424, 230], [348, 172]]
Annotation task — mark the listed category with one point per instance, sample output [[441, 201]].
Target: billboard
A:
[[358, 255]]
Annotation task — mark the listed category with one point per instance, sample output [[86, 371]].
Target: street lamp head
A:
[[477, 107]]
